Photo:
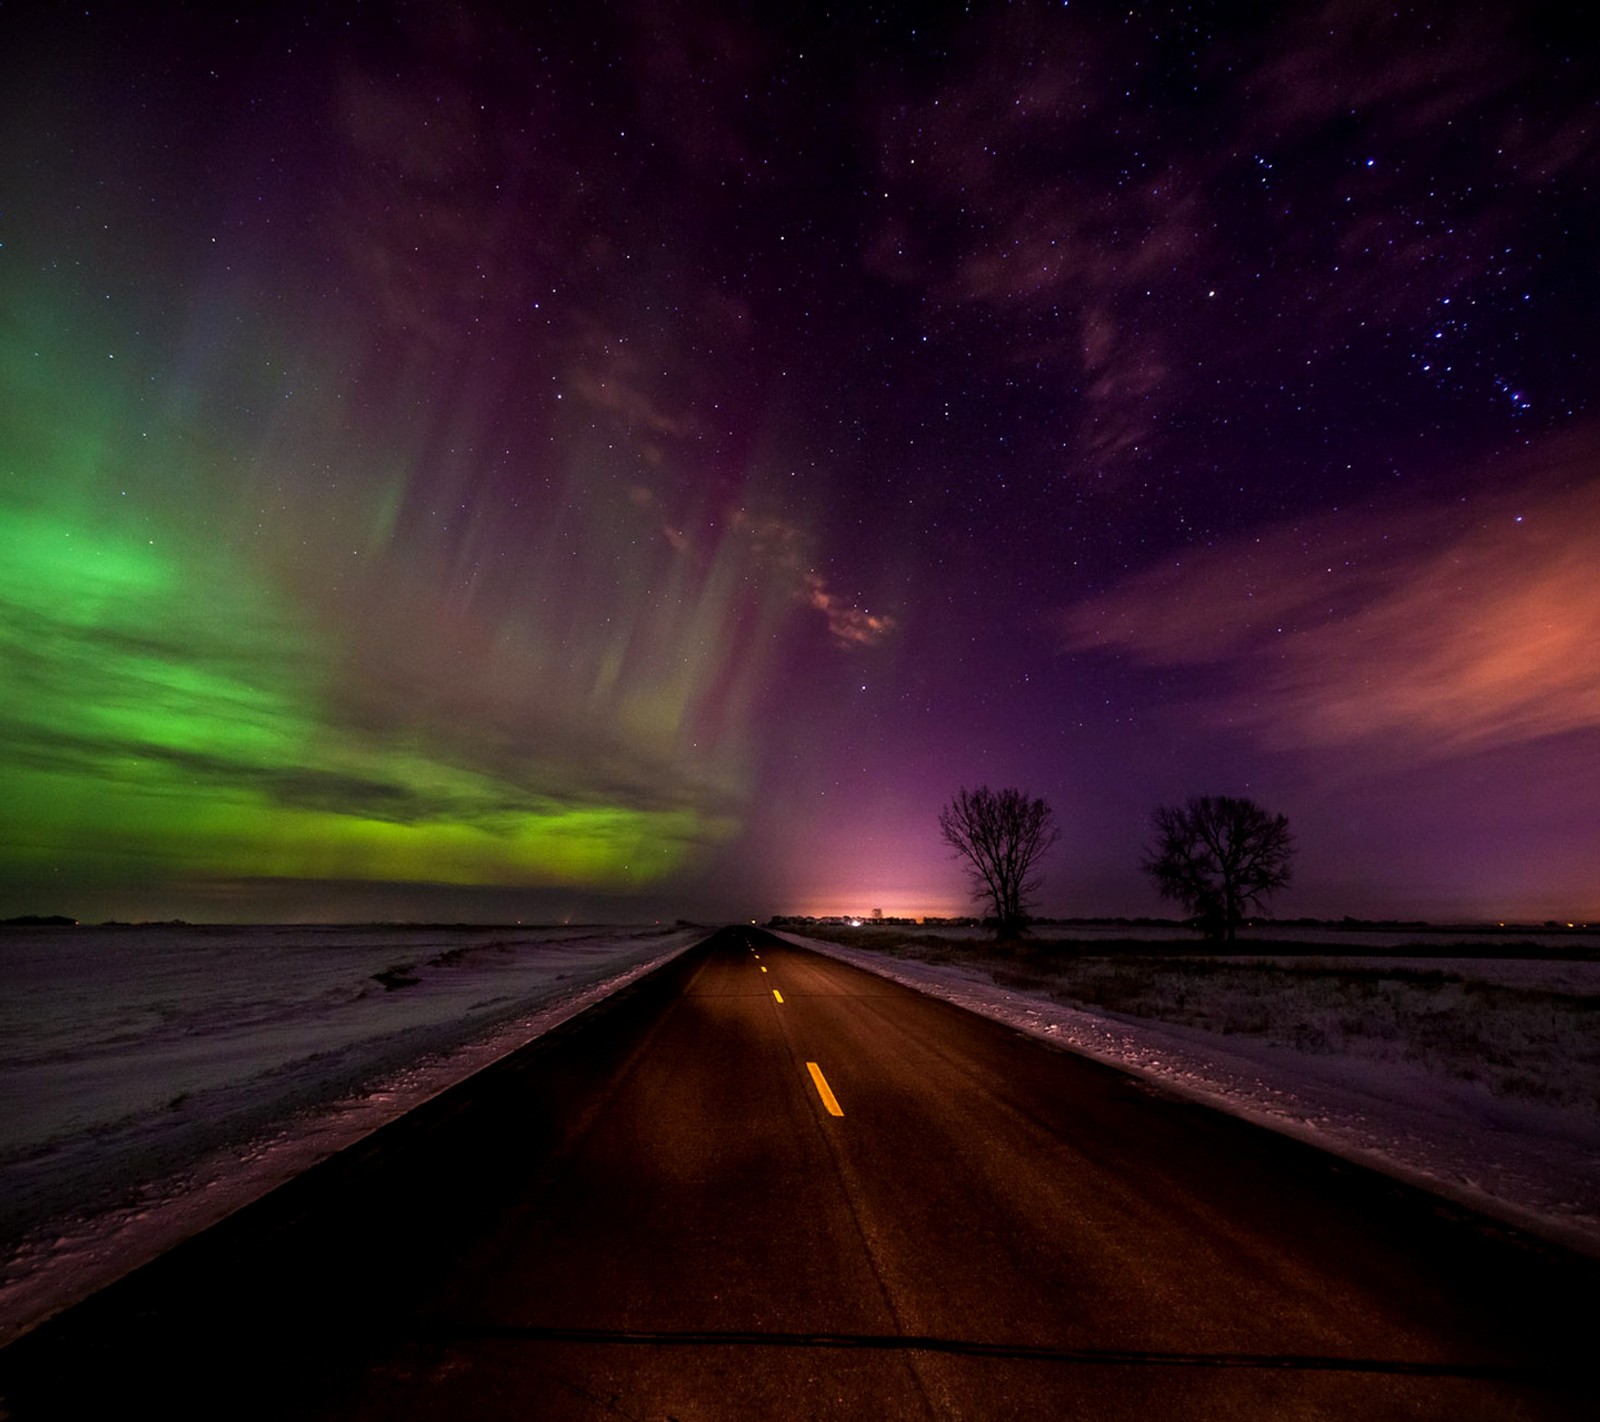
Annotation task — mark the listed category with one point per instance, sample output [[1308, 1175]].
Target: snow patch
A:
[[152, 1083]]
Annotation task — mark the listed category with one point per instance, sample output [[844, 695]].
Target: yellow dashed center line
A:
[[763, 967], [777, 994], [824, 1090]]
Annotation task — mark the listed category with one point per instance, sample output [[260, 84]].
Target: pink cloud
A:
[[852, 626], [780, 545], [1436, 632]]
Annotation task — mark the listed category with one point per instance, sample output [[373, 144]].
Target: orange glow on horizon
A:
[[861, 906]]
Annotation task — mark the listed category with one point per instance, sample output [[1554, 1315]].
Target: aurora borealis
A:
[[640, 462]]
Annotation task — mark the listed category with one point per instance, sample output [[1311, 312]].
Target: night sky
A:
[[642, 462]]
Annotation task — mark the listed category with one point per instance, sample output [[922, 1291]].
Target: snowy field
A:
[[1477, 1078], [1466, 940], [154, 1079]]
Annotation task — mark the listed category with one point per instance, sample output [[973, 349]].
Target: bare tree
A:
[[1002, 834], [1218, 855]]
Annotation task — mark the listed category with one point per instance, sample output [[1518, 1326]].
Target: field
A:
[[1463, 1064], [1522, 1026]]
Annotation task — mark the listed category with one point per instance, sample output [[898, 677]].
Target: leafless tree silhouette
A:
[[1002, 835], [1218, 855]]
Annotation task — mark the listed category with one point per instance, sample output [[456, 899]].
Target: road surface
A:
[[762, 1183]]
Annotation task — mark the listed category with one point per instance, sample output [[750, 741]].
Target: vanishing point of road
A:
[[760, 1183]]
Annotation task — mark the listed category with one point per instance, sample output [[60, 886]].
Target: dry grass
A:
[[1527, 1040]]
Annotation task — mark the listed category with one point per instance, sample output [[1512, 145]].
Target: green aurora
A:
[[176, 710]]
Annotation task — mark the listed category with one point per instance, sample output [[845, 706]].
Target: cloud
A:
[[1132, 245], [1435, 632], [1418, 69], [614, 380], [780, 545], [852, 626], [1004, 197], [1361, 97]]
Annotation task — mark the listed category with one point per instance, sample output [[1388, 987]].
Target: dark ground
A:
[[651, 1214]]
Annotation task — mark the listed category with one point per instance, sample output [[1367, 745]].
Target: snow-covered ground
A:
[[1516, 1136], [153, 1080]]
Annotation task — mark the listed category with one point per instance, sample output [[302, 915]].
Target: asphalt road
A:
[[656, 1213]]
